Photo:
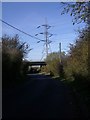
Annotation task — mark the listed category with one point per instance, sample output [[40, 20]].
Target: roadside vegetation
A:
[[13, 67]]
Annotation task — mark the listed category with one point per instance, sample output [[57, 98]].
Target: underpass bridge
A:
[[32, 65]]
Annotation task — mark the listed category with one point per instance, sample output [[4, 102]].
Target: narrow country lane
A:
[[40, 97]]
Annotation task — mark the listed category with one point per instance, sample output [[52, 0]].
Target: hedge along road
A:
[[40, 97]]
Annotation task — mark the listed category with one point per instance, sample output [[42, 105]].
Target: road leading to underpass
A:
[[40, 97]]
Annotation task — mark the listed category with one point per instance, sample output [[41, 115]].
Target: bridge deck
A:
[[37, 63]]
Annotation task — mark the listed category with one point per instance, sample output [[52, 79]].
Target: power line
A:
[[20, 30]]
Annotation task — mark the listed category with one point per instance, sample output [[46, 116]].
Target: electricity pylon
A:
[[47, 35]]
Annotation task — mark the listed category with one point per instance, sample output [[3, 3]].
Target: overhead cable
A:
[[20, 30]]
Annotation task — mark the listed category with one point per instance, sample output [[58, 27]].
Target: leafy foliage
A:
[[78, 58], [77, 62], [53, 64], [79, 10], [13, 52]]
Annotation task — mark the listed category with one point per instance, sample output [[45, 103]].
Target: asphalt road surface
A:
[[40, 97]]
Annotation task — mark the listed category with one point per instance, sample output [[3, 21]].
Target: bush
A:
[[77, 61], [13, 52], [54, 67]]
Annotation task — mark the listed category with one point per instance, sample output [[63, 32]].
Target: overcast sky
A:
[[27, 16]]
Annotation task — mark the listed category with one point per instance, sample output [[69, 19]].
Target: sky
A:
[[27, 16]]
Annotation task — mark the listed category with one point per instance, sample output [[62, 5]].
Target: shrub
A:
[[13, 52]]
